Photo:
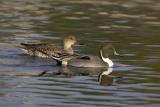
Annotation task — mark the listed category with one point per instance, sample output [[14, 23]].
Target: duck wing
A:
[[39, 49]]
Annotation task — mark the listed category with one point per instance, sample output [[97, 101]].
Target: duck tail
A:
[[20, 46], [23, 44]]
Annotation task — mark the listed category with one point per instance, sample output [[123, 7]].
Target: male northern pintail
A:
[[89, 60], [49, 49]]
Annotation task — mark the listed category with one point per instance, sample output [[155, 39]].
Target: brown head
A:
[[69, 41], [108, 50]]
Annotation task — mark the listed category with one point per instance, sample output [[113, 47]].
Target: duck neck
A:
[[107, 60], [68, 48], [108, 71]]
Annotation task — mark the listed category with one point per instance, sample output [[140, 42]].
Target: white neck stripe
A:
[[107, 60], [108, 71]]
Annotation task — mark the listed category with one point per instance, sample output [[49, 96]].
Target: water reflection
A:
[[131, 25], [103, 76]]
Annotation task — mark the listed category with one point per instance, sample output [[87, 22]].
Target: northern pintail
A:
[[89, 60], [49, 49]]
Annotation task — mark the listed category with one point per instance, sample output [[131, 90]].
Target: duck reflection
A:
[[103, 74], [104, 79]]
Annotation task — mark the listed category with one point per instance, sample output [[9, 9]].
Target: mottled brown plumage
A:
[[44, 50]]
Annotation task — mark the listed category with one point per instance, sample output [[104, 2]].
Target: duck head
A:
[[105, 52], [69, 41]]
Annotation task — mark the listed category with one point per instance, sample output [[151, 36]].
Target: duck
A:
[[38, 50], [89, 61]]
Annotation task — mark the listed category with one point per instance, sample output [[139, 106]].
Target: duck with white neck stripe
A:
[[90, 61]]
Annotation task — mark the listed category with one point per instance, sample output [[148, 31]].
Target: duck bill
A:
[[79, 43]]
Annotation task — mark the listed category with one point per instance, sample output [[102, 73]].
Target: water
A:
[[132, 26]]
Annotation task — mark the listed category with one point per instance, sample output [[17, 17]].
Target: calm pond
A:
[[132, 26]]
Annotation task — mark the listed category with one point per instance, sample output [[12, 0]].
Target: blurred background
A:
[[132, 26]]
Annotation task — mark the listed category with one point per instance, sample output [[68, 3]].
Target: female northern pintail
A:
[[89, 60], [49, 49]]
